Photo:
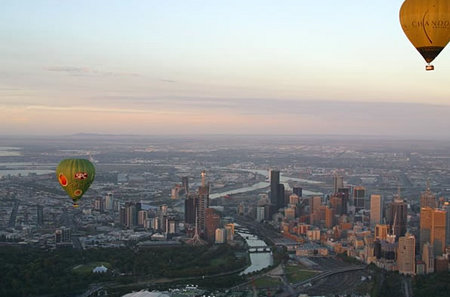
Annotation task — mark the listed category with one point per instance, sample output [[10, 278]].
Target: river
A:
[[258, 261]]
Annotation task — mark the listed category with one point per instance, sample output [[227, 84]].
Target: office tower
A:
[[189, 209], [427, 199], [62, 235], [406, 256], [428, 257], [276, 190], [329, 217], [40, 215], [359, 195], [381, 231], [294, 199], [185, 185], [344, 194], [212, 223], [297, 191], [220, 235], [338, 183], [109, 201], [122, 216], [260, 213], [433, 223], [99, 205], [230, 231], [316, 203], [426, 222], [142, 217], [438, 231], [446, 207], [376, 207], [336, 204], [128, 215], [398, 211]]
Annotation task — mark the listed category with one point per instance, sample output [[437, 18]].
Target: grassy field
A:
[[297, 274], [267, 282]]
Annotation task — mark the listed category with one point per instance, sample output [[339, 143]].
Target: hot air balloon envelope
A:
[[426, 23], [75, 176]]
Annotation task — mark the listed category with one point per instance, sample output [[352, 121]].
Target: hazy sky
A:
[[233, 67]]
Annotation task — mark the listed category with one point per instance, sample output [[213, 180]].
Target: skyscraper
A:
[[212, 223], [185, 185], [406, 255], [398, 212], [189, 209], [428, 257], [344, 194], [359, 194], [381, 231], [376, 207], [338, 182], [109, 201], [297, 191], [276, 190], [433, 223], [427, 199]]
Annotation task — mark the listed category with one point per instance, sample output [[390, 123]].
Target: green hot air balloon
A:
[[75, 176]]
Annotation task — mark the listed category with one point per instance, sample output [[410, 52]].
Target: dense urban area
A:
[[227, 216]]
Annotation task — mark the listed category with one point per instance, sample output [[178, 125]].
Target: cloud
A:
[[87, 71], [92, 109]]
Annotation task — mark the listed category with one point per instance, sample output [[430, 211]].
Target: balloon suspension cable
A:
[[429, 67]]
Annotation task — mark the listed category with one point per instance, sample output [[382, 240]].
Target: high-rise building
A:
[[40, 215], [439, 231], [344, 194], [406, 255], [212, 223], [109, 201], [359, 195], [376, 207], [338, 183], [446, 207], [426, 222], [297, 191], [189, 209], [398, 214], [185, 185], [99, 204], [428, 199], [381, 231], [433, 223], [260, 213], [428, 257], [329, 217], [276, 190], [128, 215], [220, 235], [336, 204], [316, 203], [294, 199], [62, 235], [229, 228], [142, 217]]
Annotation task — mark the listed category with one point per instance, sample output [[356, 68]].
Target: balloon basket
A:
[[429, 67], [75, 205]]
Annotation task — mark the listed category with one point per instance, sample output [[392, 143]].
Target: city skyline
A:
[[147, 67]]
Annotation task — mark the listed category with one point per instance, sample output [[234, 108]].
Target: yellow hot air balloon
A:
[[426, 23], [75, 176]]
